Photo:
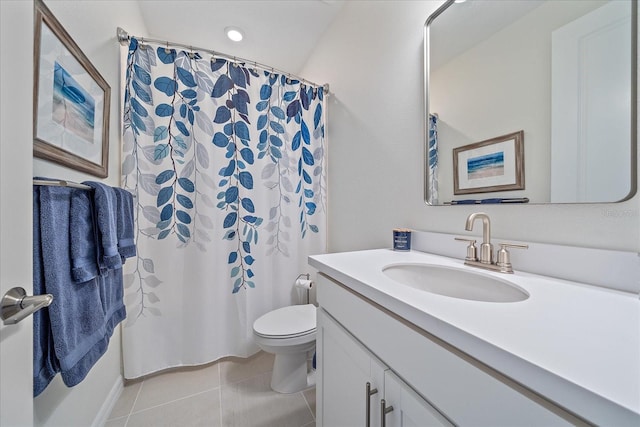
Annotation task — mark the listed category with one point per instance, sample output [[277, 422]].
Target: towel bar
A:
[[16, 305], [60, 183]]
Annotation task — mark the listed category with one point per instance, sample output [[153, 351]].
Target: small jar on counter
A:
[[401, 239]]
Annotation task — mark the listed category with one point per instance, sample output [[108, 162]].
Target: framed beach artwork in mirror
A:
[[71, 100], [496, 164]]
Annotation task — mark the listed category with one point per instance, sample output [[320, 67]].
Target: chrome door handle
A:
[[16, 305], [384, 410], [370, 392]]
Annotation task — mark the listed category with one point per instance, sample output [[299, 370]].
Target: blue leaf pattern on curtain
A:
[[433, 160], [204, 135]]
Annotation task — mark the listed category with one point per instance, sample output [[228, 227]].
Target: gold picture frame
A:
[[495, 164], [71, 100]]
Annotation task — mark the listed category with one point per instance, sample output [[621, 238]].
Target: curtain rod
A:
[[124, 38]]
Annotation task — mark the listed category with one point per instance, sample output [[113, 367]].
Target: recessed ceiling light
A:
[[460, 1], [234, 33]]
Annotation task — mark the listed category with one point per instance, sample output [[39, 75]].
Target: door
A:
[[16, 95], [344, 369], [407, 408], [591, 118]]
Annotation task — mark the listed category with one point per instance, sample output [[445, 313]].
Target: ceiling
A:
[[464, 25], [278, 33]]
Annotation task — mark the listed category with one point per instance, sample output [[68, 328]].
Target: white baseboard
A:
[[109, 403]]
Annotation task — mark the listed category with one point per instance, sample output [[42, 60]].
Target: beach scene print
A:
[[73, 107], [485, 166]]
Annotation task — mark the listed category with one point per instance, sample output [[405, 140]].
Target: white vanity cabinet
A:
[[353, 384], [427, 381]]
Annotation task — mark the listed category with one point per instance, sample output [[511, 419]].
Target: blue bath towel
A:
[[125, 224], [84, 239], [105, 206], [111, 294], [78, 323], [45, 364]]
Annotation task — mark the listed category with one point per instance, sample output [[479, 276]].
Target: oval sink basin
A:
[[455, 283]]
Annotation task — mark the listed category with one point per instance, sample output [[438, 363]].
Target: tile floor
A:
[[233, 392]]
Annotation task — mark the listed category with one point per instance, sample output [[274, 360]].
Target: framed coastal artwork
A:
[[71, 100], [495, 164]]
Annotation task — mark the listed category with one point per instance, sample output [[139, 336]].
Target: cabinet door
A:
[[409, 408], [344, 369]]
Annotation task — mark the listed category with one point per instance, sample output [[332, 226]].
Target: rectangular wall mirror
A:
[[561, 74]]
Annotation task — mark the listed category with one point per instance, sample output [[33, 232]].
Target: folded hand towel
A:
[[83, 237], [105, 205], [45, 364], [76, 314], [124, 223]]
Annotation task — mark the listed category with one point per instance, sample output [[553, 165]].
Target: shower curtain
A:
[[227, 166], [432, 160]]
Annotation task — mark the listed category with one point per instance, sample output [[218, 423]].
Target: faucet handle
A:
[[472, 251], [504, 258]]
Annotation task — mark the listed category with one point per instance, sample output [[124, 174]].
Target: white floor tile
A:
[[235, 369], [252, 403], [178, 384], [232, 393], [116, 422], [199, 410], [124, 405], [310, 397]]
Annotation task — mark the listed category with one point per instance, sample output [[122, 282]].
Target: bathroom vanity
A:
[[392, 354]]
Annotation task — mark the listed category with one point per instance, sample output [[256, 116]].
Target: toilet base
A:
[[290, 372]]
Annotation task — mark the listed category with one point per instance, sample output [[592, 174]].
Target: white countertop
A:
[[578, 345]]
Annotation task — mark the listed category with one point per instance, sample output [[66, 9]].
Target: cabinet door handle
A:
[[384, 410], [370, 392]]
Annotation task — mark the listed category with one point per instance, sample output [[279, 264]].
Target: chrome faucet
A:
[[486, 248], [503, 263]]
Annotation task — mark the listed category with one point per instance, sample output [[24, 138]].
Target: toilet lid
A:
[[289, 321]]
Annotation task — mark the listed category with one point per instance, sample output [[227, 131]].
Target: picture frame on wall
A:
[[71, 100], [495, 164]]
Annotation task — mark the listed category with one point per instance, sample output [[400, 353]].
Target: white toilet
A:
[[289, 333]]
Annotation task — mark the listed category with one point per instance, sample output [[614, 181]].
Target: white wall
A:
[[372, 58], [92, 24]]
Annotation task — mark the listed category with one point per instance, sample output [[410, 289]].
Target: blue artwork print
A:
[[73, 107], [222, 158], [486, 166]]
